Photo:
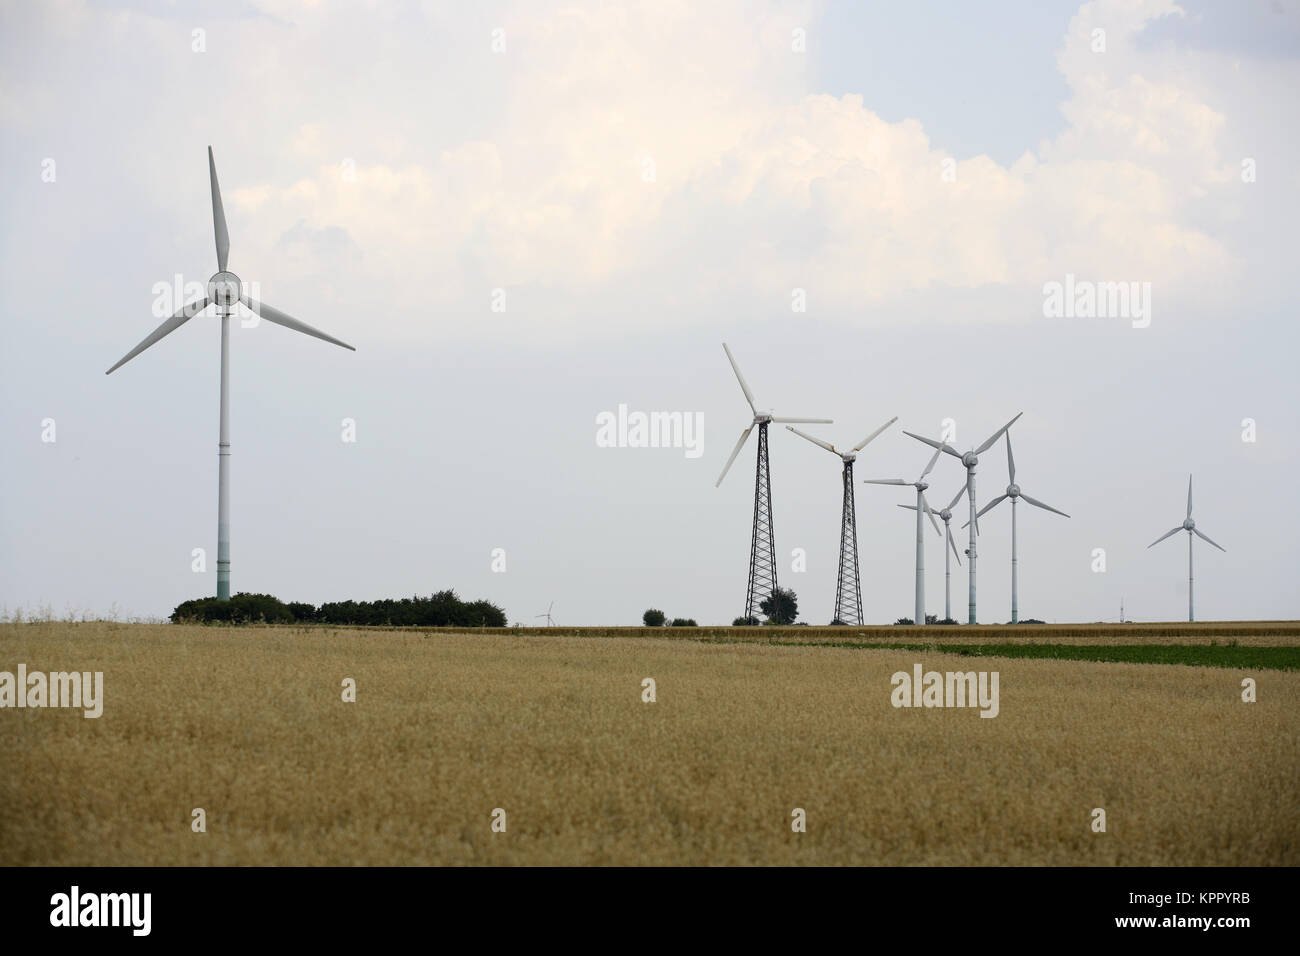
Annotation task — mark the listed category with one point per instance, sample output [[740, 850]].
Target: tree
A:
[[745, 622], [781, 606], [683, 622], [653, 618], [904, 620]]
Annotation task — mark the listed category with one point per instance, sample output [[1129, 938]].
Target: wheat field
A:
[[249, 724]]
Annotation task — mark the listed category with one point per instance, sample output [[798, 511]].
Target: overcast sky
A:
[[524, 215]]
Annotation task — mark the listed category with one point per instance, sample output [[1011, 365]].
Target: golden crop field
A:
[[249, 724]]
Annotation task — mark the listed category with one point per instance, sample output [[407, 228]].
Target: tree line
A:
[[443, 609]]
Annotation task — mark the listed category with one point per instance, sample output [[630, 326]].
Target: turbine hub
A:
[[224, 289], [1188, 524], [922, 485], [762, 418], [850, 456], [946, 515], [970, 459], [1013, 490]]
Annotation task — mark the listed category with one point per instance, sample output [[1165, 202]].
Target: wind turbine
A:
[[946, 516], [1013, 492], [922, 506], [762, 545], [550, 622], [224, 291], [1189, 526], [848, 604], [970, 460]]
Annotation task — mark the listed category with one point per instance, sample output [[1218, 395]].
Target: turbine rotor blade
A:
[[933, 459], [734, 452], [996, 435], [953, 546], [803, 421], [272, 314], [1197, 532], [1189, 496], [744, 386], [167, 328], [863, 444], [218, 217], [1165, 535], [1011, 461], [990, 506], [815, 441], [1038, 504], [956, 498], [930, 514], [942, 446], [885, 481]]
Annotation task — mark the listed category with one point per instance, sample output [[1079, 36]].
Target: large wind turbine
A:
[[970, 460], [922, 506], [848, 603], [762, 546], [1013, 492], [224, 291], [946, 517], [1189, 526]]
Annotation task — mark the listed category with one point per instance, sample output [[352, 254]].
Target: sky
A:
[[526, 215]]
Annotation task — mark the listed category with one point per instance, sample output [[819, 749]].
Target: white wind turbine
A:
[[970, 459], [848, 584], [946, 517], [1013, 492], [550, 621], [762, 548], [225, 290], [1189, 526], [921, 506]]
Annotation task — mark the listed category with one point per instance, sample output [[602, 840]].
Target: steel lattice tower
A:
[[762, 548], [848, 588]]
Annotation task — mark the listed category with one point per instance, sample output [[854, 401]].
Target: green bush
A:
[[443, 609], [684, 622], [653, 617], [781, 606], [241, 609]]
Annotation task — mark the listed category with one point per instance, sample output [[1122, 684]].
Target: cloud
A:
[[646, 154]]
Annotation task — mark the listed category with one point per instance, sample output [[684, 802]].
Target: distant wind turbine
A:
[[1013, 492], [921, 506], [970, 459], [848, 584], [1189, 526], [762, 543], [550, 622], [225, 290], [946, 516]]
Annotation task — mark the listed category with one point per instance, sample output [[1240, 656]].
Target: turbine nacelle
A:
[[224, 289], [763, 418], [1189, 524], [970, 459], [1013, 490]]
